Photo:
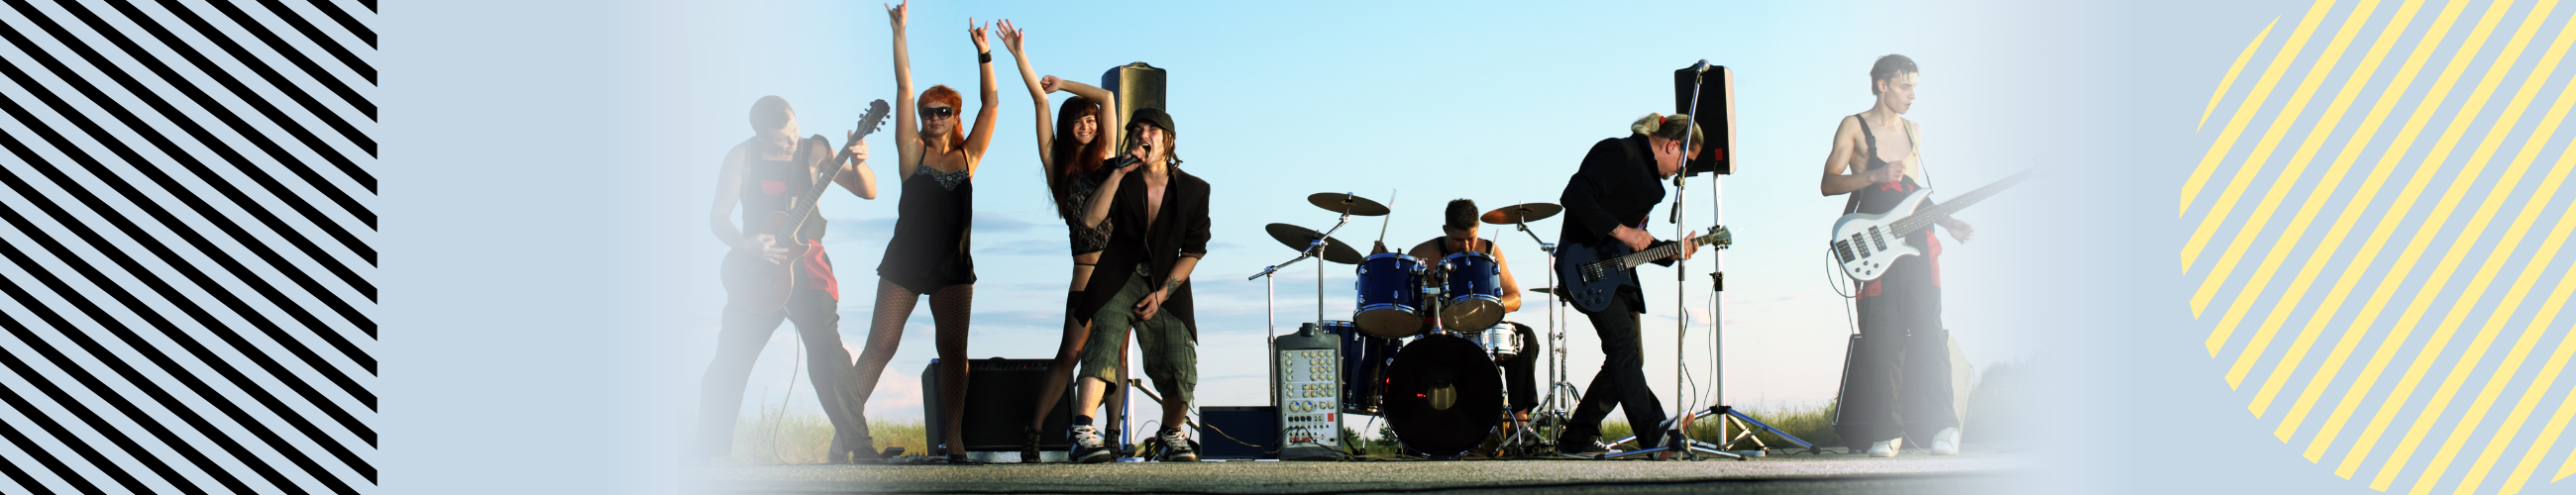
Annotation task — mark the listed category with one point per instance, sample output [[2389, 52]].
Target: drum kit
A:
[[1424, 348]]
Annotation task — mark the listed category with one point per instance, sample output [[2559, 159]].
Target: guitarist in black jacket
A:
[[770, 172], [1607, 203]]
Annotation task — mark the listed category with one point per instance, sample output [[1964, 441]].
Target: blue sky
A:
[[1493, 102]]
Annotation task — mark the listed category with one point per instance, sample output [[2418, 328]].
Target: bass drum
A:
[[1443, 395]]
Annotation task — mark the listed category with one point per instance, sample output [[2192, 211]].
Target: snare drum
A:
[[1364, 362], [1390, 295], [1501, 341], [1472, 291]]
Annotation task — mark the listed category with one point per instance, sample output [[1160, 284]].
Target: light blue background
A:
[[550, 282]]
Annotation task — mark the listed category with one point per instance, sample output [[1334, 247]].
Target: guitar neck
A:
[[814, 196], [1925, 218], [1649, 255]]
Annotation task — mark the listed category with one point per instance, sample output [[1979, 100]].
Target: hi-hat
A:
[[1521, 213], [1346, 203], [1299, 238]]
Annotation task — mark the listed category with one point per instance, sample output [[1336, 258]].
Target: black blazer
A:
[[1616, 186], [1183, 230]]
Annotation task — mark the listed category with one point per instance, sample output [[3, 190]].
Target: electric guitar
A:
[[1594, 274], [1865, 244], [755, 283]]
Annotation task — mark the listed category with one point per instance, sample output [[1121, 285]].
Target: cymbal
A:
[[1299, 238], [1543, 290], [1520, 213], [1346, 203]]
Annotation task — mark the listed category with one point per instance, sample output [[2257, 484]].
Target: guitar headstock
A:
[[874, 119], [1718, 236]]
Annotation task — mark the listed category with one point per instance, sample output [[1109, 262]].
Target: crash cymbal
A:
[[1298, 238], [1521, 213], [1346, 203]]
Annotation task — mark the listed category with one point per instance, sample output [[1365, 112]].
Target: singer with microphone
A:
[[1607, 202], [1142, 281]]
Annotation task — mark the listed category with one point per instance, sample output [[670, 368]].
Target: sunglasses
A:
[[936, 113]]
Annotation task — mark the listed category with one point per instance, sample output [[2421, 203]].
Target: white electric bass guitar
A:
[[1867, 243]]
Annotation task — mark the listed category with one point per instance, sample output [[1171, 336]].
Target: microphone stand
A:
[[1677, 440]]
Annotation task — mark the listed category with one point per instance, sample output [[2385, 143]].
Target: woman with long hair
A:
[[1070, 156], [928, 255]]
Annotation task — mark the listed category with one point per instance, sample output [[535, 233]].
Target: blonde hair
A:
[[1669, 127]]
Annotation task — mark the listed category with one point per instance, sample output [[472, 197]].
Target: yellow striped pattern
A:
[[2506, 49]]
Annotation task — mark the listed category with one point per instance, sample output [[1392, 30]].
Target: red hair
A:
[[956, 102]]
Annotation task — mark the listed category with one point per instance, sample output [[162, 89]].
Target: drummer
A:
[[1458, 235]]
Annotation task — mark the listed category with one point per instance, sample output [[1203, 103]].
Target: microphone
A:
[[1125, 158], [1702, 66]]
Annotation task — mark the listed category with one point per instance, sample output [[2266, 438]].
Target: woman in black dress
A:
[[928, 255], [1070, 156]]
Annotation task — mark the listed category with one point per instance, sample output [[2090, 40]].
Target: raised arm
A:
[[985, 114], [1111, 123], [907, 128], [1015, 40]]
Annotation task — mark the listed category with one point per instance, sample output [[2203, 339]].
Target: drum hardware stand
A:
[[1559, 391]]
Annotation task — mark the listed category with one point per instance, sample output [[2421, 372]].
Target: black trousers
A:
[[817, 320], [1900, 370], [1520, 372], [1622, 381]]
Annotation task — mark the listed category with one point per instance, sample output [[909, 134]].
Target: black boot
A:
[[1029, 447]]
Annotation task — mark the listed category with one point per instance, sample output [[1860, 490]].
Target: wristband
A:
[[983, 57]]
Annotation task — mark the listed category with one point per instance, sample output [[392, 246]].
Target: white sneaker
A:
[[1946, 442], [1176, 448], [1088, 448], [1886, 448]]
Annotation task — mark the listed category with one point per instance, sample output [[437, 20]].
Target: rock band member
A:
[[1900, 376], [1070, 156], [929, 252], [1608, 201], [767, 173], [1458, 235], [1142, 280]]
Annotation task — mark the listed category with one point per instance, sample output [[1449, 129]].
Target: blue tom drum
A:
[[1472, 292], [1390, 296]]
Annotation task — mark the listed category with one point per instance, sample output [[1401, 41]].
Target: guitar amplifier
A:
[[1305, 390], [999, 395], [1138, 85], [1716, 117], [1249, 432]]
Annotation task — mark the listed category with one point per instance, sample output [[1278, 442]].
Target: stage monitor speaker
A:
[[1138, 85], [999, 395], [1254, 425], [1716, 116]]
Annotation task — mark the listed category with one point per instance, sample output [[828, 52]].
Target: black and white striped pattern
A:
[[188, 247]]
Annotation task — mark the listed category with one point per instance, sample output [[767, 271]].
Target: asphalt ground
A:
[[1794, 474]]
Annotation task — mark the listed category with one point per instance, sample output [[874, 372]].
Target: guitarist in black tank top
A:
[[1899, 385], [771, 172]]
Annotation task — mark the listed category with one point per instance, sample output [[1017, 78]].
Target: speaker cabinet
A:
[[1138, 85], [1716, 116], [999, 395], [1254, 425]]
